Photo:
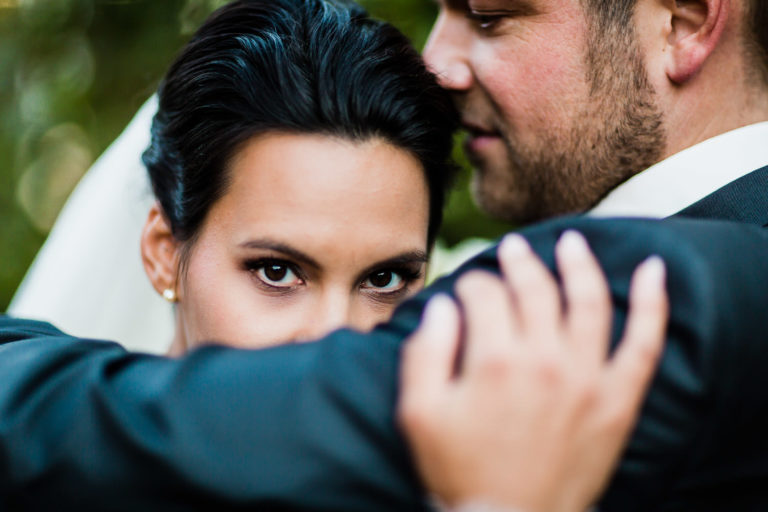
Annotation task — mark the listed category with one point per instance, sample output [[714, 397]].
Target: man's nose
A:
[[447, 49]]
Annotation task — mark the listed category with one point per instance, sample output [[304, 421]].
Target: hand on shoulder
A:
[[527, 412]]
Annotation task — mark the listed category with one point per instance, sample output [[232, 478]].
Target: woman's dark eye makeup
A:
[[390, 280], [275, 273], [384, 279], [282, 275]]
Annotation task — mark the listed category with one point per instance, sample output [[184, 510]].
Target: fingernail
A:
[[514, 246], [653, 276], [572, 244]]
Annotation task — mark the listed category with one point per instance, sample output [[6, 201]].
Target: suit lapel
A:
[[744, 200]]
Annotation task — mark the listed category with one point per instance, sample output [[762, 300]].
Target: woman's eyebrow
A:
[[274, 245], [405, 258]]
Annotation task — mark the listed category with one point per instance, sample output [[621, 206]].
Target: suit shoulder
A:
[[17, 329]]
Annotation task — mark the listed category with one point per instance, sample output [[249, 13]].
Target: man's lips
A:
[[479, 137]]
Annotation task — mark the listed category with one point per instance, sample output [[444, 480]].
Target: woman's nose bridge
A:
[[337, 309], [332, 310]]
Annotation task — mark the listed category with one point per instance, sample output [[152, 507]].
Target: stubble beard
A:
[[618, 134]]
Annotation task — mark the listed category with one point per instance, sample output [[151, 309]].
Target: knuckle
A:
[[589, 294], [584, 270], [536, 303], [535, 284], [591, 300], [495, 366], [550, 371], [587, 392]]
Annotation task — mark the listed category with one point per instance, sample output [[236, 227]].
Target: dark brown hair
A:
[[295, 66]]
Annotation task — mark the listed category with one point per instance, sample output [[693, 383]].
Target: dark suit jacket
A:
[[84, 425]]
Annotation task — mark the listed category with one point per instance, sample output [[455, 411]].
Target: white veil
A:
[[88, 278]]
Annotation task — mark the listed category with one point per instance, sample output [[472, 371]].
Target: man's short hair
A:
[[617, 13], [757, 38]]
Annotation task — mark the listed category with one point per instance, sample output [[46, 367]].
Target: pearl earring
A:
[[169, 295]]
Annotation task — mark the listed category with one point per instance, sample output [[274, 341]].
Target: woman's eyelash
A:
[[410, 274], [406, 273], [254, 265]]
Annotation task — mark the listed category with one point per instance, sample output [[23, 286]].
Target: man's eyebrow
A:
[[274, 245]]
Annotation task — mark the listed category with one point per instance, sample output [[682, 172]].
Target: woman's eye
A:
[[278, 274], [384, 280]]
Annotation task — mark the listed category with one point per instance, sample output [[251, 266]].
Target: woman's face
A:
[[313, 233]]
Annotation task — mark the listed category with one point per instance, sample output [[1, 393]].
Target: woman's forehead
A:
[[320, 192]]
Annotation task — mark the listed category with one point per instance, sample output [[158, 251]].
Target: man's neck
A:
[[711, 107], [688, 176]]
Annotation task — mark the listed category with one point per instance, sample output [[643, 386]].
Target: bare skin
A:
[[537, 416], [544, 95], [559, 111], [313, 233]]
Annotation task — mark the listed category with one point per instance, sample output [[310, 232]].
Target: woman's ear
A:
[[160, 253], [696, 29]]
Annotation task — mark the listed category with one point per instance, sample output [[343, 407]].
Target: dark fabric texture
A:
[[84, 425], [744, 200]]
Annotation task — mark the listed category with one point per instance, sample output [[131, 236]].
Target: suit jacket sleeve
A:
[[86, 425]]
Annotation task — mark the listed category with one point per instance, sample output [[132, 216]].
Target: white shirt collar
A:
[[686, 177]]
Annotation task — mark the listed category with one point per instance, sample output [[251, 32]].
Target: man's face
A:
[[558, 111]]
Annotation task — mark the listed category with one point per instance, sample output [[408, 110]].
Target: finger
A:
[[587, 297], [634, 363], [536, 295], [429, 354], [490, 327]]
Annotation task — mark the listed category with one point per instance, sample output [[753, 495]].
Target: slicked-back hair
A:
[[618, 13], [291, 66]]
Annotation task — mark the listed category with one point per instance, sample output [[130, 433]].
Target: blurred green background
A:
[[73, 73]]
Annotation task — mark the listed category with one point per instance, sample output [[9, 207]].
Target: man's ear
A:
[[696, 29], [160, 252]]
